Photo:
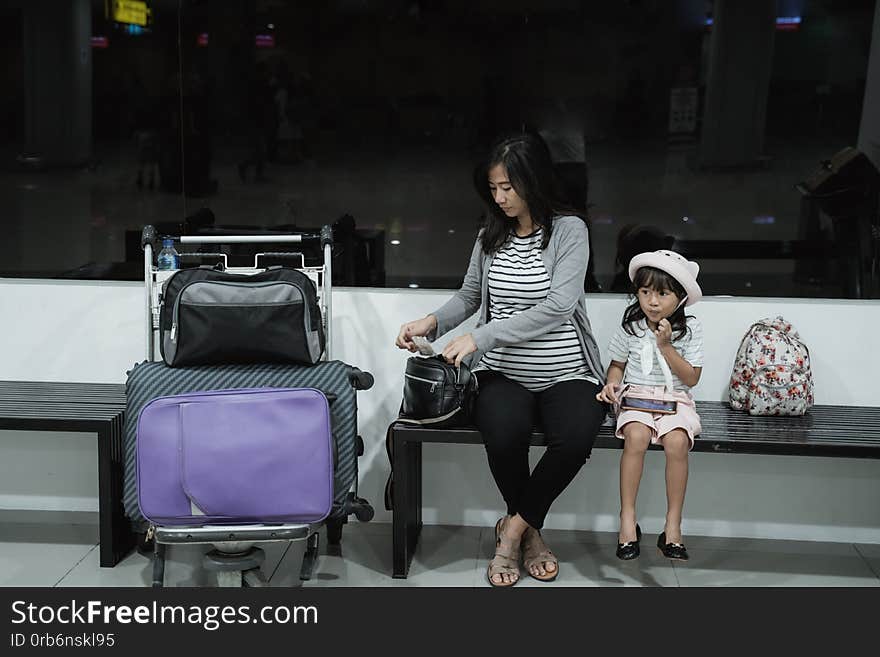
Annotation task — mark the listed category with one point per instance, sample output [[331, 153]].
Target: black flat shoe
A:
[[672, 550], [630, 549]]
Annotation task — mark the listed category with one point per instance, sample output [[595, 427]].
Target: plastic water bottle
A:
[[168, 258]]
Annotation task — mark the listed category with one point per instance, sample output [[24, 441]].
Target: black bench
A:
[[848, 431], [83, 407]]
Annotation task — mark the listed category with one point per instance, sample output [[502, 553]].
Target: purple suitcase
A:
[[236, 456]]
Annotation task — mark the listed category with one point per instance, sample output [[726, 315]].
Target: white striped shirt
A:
[[626, 348], [519, 280]]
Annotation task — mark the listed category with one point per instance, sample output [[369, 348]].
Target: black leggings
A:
[[506, 412]]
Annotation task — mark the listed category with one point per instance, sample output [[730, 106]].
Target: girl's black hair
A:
[[526, 158], [658, 280]]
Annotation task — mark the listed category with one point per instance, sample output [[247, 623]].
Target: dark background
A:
[[370, 115]]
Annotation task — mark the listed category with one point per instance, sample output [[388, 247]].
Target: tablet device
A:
[[648, 405]]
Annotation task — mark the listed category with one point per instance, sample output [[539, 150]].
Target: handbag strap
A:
[[430, 420]]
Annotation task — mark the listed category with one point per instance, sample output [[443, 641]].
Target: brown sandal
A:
[[505, 561], [536, 554]]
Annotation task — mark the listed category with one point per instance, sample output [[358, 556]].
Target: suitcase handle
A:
[[223, 263], [280, 254]]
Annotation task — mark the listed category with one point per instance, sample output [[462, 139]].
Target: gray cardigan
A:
[[565, 258]]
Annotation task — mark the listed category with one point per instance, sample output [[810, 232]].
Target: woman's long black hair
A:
[[526, 158], [659, 280]]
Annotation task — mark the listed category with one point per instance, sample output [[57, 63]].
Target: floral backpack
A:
[[771, 372]]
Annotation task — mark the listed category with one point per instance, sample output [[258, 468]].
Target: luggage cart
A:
[[235, 558]]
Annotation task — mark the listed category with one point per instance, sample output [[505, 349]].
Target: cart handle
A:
[[149, 236], [246, 239]]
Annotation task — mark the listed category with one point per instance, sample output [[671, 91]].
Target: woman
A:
[[533, 351]]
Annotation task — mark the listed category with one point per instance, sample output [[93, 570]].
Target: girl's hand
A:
[[462, 346], [663, 333], [410, 329], [608, 393]]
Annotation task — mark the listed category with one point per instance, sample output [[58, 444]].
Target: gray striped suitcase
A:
[[148, 380]]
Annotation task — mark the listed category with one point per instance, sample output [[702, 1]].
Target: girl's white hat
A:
[[676, 265]]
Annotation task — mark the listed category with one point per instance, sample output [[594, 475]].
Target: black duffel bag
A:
[[437, 393], [211, 317]]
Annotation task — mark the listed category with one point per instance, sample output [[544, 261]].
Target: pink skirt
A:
[[685, 417]]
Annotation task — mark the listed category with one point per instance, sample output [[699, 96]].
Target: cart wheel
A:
[[362, 510]]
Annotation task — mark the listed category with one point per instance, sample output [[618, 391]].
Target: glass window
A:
[[692, 125]]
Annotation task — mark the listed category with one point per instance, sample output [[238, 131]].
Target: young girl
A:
[[657, 354]]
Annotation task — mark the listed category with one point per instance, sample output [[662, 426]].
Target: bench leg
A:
[[334, 536], [415, 496], [407, 516], [115, 535]]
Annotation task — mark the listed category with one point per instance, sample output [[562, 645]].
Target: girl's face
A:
[[505, 195], [657, 304]]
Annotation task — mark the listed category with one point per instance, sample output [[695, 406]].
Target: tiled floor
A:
[[67, 555]]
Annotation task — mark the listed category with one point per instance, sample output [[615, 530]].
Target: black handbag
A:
[[437, 393]]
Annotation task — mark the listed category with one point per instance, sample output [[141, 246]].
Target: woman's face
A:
[[505, 195]]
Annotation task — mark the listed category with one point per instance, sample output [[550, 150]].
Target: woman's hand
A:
[[608, 393], [663, 333], [411, 329], [462, 346]]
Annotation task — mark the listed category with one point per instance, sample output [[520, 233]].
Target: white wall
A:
[[91, 331]]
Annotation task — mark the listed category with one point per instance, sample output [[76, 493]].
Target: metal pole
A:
[[148, 290], [328, 297]]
